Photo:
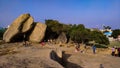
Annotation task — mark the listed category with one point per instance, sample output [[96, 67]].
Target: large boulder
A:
[[38, 33], [62, 38], [24, 28], [28, 24], [19, 25]]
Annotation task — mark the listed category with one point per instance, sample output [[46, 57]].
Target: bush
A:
[[98, 37], [2, 30]]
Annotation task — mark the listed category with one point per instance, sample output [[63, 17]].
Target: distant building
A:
[[107, 32]]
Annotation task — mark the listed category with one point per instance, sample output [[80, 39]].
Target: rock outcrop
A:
[[38, 33], [27, 25], [24, 27], [15, 27], [62, 38]]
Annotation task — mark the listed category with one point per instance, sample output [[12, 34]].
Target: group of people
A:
[[77, 48], [115, 51]]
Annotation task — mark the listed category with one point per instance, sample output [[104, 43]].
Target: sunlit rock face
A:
[[24, 28], [15, 28], [27, 24], [38, 32]]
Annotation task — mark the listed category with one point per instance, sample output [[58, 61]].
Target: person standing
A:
[[113, 51], [119, 52], [94, 49], [116, 51]]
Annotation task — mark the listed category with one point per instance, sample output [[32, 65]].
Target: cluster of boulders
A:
[[24, 28]]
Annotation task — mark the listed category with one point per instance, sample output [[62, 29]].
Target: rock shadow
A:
[[68, 64], [54, 56], [63, 61]]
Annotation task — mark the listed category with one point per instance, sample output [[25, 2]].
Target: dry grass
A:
[[114, 43]]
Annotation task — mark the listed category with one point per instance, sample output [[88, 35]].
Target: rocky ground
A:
[[15, 55]]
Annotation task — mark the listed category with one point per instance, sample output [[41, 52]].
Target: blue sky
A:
[[91, 13]]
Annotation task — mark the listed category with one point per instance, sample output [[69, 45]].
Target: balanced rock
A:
[[16, 27], [38, 33], [27, 25]]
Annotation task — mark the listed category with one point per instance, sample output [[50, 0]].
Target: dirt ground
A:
[[15, 55]]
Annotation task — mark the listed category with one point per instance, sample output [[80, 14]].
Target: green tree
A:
[[78, 33], [51, 29], [99, 37], [2, 30], [55, 28], [115, 33]]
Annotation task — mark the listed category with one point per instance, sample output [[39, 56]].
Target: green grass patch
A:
[[101, 46], [114, 43]]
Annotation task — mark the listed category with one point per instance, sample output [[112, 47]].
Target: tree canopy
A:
[[115, 33], [99, 37], [55, 28], [2, 30], [77, 33]]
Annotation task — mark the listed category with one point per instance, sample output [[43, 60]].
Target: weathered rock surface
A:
[[15, 27], [24, 28], [38, 32], [28, 24], [62, 38]]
